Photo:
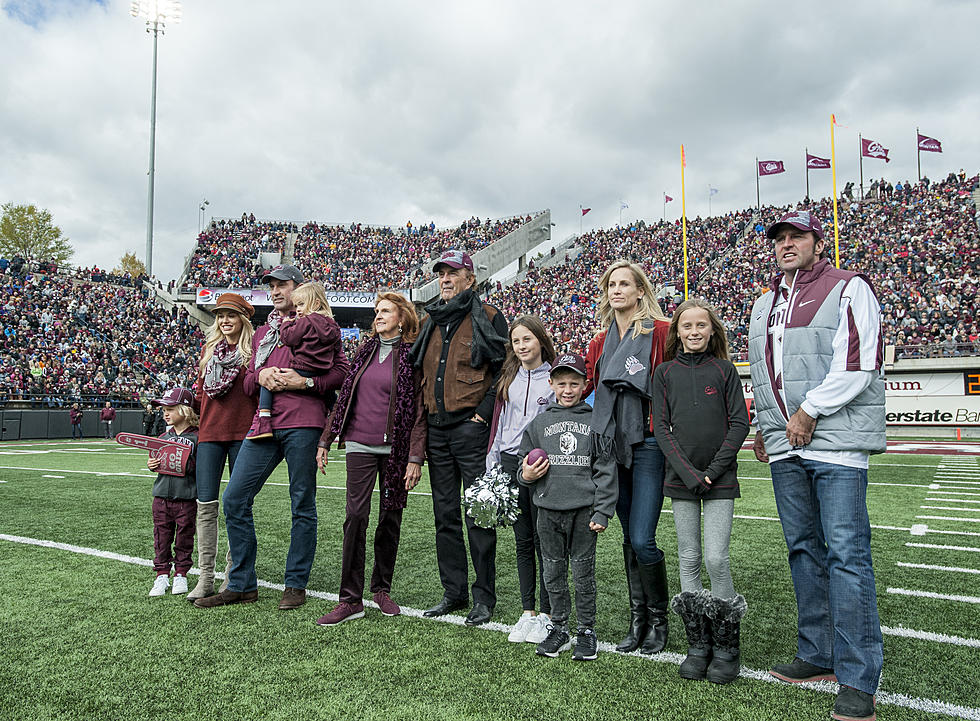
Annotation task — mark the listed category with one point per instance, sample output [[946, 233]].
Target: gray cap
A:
[[283, 272]]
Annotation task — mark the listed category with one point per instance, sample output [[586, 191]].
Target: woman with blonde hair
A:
[[380, 419], [620, 362], [225, 416]]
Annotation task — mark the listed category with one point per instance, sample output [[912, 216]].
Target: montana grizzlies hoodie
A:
[[576, 478]]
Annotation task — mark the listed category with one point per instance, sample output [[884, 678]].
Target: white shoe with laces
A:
[[180, 585], [523, 626], [160, 586], [539, 631]]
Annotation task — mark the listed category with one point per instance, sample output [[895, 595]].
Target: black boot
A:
[[653, 578], [726, 618], [638, 606], [689, 605]]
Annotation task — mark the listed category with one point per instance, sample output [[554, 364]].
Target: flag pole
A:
[[861, 162], [806, 162], [580, 216], [757, 203], [918, 155], [709, 200], [684, 218], [663, 217], [833, 173]]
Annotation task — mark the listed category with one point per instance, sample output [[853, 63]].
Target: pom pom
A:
[[491, 500]]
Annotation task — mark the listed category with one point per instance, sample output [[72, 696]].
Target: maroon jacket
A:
[[108, 414]]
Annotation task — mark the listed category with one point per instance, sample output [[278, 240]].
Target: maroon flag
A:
[[874, 149], [771, 167], [667, 198], [814, 163], [930, 144], [585, 210]]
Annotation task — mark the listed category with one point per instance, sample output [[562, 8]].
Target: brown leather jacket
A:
[[465, 389]]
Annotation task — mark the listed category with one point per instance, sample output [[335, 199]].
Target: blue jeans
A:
[[76, 431], [824, 512], [211, 457], [255, 463], [641, 498]]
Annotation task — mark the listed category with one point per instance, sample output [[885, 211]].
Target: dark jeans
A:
[[255, 463], [566, 536], [362, 471], [211, 456], [528, 543], [641, 498], [173, 525], [457, 456], [107, 426], [823, 509], [76, 431]]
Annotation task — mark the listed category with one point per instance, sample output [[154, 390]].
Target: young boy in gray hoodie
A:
[[575, 493]]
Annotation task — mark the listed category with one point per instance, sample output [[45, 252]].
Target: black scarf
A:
[[488, 347]]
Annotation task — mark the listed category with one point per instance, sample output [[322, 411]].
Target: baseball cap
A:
[[454, 259], [800, 219], [283, 272], [175, 397], [233, 301], [570, 361]]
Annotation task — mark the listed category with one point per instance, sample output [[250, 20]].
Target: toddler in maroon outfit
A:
[[175, 497], [312, 336]]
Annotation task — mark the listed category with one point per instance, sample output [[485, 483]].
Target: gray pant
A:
[[717, 533], [566, 536]]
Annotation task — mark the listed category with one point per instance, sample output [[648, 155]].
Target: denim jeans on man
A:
[[255, 463], [641, 498], [824, 513]]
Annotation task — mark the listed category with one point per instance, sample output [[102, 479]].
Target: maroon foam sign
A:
[[173, 456]]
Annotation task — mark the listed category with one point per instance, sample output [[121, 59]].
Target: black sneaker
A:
[[558, 640], [853, 705], [800, 671], [586, 646]]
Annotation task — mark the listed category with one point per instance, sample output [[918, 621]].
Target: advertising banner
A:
[[257, 297], [950, 398]]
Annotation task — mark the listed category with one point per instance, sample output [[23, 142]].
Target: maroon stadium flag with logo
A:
[[924, 142], [874, 149], [815, 162], [766, 167]]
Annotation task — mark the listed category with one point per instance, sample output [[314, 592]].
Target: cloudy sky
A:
[[387, 111]]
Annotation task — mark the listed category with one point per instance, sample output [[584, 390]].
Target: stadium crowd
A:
[[87, 336]]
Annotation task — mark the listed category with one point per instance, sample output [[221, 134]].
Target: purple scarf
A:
[[393, 492], [222, 369]]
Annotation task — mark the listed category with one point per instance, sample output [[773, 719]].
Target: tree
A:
[[129, 263], [29, 232]]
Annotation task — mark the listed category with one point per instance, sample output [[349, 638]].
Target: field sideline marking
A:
[[933, 594], [940, 547], [952, 500], [343, 488], [950, 508], [931, 567], [929, 636], [949, 518], [884, 697]]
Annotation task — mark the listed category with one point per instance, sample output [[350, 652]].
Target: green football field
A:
[[81, 639]]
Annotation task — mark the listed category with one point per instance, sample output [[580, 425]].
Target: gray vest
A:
[[807, 355]]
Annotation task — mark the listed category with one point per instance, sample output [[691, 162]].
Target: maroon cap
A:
[[454, 259], [283, 272], [175, 397], [570, 361], [800, 219]]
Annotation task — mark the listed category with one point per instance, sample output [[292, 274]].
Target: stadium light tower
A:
[[157, 14]]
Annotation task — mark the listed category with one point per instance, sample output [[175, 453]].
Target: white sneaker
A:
[[524, 624], [160, 586], [538, 632], [180, 585]]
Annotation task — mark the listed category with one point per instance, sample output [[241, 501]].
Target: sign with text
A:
[[260, 297]]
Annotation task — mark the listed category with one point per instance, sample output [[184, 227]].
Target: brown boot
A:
[[207, 548], [292, 598], [226, 598]]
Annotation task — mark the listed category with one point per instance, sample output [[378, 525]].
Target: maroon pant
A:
[[363, 469], [173, 518]]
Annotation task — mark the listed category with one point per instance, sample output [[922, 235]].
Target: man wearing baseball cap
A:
[[460, 349], [816, 356], [298, 415]]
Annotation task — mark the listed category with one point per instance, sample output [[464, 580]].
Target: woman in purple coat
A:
[[380, 419]]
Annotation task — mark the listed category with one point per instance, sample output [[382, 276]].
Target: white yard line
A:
[[939, 547], [931, 594], [674, 659], [949, 518], [957, 490], [950, 508], [931, 567], [952, 500]]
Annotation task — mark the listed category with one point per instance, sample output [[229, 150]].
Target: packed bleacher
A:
[[918, 242], [88, 336], [355, 257]]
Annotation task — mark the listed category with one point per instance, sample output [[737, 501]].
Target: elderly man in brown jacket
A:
[[460, 349]]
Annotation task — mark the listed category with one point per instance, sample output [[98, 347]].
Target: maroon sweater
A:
[[227, 418], [314, 340], [368, 419]]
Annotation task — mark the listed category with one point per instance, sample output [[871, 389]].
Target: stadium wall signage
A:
[[949, 398], [336, 298]]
